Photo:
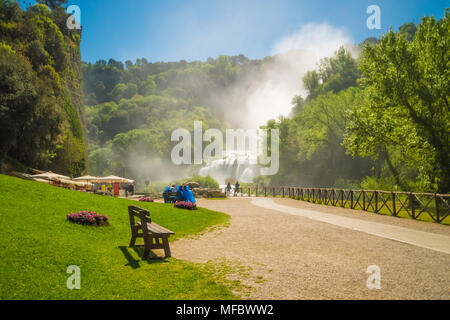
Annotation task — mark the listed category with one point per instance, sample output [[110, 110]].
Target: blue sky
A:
[[172, 30]]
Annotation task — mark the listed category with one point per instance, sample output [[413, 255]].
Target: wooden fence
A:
[[437, 206]]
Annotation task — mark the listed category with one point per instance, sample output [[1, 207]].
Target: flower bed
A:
[[88, 218], [185, 205], [146, 199]]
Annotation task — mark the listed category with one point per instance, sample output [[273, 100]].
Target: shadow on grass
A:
[[132, 262]]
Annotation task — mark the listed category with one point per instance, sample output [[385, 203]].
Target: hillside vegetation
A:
[[41, 90], [133, 108]]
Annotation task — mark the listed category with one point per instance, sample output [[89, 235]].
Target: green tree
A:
[[18, 97], [311, 81], [52, 4], [408, 30], [40, 94], [407, 86], [334, 74], [339, 72]]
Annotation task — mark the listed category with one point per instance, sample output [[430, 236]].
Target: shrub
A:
[[88, 218], [185, 205], [206, 182], [144, 199]]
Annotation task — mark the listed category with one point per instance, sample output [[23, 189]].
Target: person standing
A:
[[131, 189], [166, 194], [179, 193], [228, 189], [236, 188]]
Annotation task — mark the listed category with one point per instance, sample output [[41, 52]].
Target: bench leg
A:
[[133, 241], [147, 243], [166, 247]]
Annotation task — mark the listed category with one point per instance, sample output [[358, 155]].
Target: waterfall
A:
[[239, 165]]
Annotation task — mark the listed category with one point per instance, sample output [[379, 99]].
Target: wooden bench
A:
[[155, 236]]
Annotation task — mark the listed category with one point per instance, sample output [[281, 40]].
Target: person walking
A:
[[228, 189], [236, 188]]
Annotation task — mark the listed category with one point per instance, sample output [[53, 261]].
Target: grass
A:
[[37, 245]]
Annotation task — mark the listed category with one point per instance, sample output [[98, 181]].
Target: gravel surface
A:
[[292, 257]]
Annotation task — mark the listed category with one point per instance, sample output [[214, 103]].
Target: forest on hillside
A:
[[133, 108], [41, 90]]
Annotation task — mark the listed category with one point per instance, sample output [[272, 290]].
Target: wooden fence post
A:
[[436, 201], [393, 204], [364, 200], [411, 203], [351, 199], [376, 201]]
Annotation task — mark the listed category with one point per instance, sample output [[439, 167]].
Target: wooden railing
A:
[[437, 206]]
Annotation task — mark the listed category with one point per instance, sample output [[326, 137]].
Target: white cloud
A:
[[275, 86], [322, 39]]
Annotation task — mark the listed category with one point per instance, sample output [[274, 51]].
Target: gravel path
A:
[[294, 257]]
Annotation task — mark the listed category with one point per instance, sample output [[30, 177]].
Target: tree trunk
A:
[[394, 171]]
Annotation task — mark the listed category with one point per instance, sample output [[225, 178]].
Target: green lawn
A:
[[37, 245]]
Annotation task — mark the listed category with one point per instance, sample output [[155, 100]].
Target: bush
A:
[[206, 182], [380, 183], [88, 218], [185, 205], [342, 183], [145, 199]]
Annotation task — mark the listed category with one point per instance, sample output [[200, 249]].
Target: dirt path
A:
[[294, 257], [429, 240]]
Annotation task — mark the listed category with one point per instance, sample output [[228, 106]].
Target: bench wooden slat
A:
[[158, 229], [155, 228]]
